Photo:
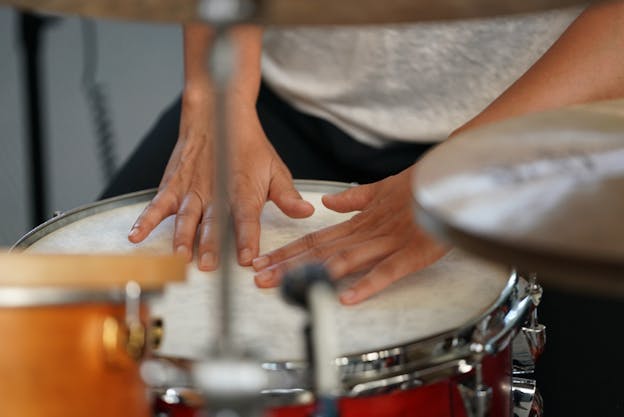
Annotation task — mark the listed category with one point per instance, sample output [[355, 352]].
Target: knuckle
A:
[[310, 240], [344, 257], [317, 253]]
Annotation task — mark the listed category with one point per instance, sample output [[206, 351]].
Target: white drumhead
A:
[[443, 297]]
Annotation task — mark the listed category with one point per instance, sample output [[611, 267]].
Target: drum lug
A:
[[135, 343], [527, 401], [129, 337], [527, 347], [529, 344], [476, 396]]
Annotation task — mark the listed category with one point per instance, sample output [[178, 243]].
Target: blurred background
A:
[[102, 84]]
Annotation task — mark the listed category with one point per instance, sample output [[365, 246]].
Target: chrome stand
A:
[[230, 382]]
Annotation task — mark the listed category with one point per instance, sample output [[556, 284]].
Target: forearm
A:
[[198, 39], [585, 64]]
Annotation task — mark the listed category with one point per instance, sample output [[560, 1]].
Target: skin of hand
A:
[[257, 173], [381, 239]]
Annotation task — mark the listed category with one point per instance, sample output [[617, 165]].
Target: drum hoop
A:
[[28, 297], [418, 362], [79, 213], [413, 363]]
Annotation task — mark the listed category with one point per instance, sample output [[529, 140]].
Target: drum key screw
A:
[[156, 333]]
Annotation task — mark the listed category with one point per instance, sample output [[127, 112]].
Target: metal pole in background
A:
[[30, 27]]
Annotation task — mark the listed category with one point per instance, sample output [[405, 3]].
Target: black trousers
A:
[[582, 371], [311, 147]]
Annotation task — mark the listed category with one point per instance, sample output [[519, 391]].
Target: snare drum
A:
[[432, 344]]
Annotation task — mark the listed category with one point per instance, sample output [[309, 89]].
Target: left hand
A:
[[382, 238]]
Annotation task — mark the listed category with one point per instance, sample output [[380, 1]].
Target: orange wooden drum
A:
[[73, 328]]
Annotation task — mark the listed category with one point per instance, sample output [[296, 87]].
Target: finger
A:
[[246, 216], [353, 199], [380, 277], [163, 204], [303, 244], [186, 222], [207, 250], [357, 257], [285, 196], [272, 276]]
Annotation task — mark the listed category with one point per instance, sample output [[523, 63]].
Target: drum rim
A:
[[34, 297], [62, 219], [363, 373]]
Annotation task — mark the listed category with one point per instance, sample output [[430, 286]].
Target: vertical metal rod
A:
[[30, 27], [221, 67]]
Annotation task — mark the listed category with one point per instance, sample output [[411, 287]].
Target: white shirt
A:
[[415, 82]]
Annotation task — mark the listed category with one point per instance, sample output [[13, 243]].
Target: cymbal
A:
[[299, 12], [542, 192]]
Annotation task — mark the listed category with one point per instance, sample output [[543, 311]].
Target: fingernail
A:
[[265, 276], [245, 256], [260, 262], [207, 261], [133, 232], [182, 251], [348, 296]]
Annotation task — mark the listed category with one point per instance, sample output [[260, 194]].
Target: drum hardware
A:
[[156, 333], [529, 344], [510, 323], [136, 331], [132, 337], [182, 396], [311, 288], [417, 378], [476, 396], [527, 401], [162, 373], [230, 381], [230, 386]]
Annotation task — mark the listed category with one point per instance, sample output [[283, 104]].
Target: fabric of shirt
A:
[[414, 82]]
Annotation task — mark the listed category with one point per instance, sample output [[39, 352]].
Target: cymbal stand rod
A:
[[230, 382], [221, 67], [222, 15]]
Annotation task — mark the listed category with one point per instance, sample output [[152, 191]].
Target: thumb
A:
[[353, 199], [285, 196]]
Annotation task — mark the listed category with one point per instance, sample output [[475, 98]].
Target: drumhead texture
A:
[[442, 297]]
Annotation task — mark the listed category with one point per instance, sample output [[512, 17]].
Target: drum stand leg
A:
[[476, 396]]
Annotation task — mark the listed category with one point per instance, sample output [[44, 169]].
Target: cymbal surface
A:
[[543, 192], [299, 12]]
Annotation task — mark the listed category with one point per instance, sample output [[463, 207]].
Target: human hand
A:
[[381, 239], [186, 189]]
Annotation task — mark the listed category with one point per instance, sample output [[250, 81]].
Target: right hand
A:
[[186, 189]]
